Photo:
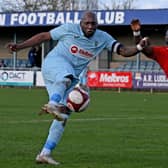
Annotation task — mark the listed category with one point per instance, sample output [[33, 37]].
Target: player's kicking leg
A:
[[56, 110]]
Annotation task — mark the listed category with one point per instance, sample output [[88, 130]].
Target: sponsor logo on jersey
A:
[[75, 50]]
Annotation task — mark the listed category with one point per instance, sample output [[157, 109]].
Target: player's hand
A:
[[144, 42], [12, 47], [135, 25]]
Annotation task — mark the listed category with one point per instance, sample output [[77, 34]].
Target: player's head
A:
[[88, 23], [166, 37]]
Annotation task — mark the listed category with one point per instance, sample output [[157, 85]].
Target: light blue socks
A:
[[54, 136]]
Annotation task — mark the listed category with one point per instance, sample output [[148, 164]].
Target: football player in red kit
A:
[[157, 53]]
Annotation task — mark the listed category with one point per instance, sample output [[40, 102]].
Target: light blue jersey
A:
[[73, 52], [83, 77], [75, 49]]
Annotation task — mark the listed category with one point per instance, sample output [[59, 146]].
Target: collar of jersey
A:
[[81, 32]]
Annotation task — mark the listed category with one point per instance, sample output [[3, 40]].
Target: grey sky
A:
[[140, 4], [151, 4]]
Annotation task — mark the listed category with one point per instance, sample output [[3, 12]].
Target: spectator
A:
[[157, 53], [38, 56], [2, 63], [32, 56]]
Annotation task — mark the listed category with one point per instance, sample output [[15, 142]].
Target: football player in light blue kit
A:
[[78, 44]]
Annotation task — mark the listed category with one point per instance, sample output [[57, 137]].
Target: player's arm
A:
[[132, 51], [136, 29], [140, 42], [142, 46], [128, 51], [33, 41]]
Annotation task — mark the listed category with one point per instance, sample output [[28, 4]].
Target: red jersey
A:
[[160, 55]]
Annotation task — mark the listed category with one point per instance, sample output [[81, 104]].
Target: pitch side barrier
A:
[[22, 77], [127, 80], [95, 79]]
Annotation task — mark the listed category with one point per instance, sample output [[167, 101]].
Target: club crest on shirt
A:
[[96, 43], [75, 50]]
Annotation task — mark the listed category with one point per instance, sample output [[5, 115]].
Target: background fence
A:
[[95, 79]]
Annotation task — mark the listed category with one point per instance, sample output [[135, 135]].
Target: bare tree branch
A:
[[49, 5], [118, 4], [53, 5]]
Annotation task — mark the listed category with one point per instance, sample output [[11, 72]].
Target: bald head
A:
[[88, 23], [89, 14]]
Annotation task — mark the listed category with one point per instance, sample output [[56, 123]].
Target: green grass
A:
[[118, 130]]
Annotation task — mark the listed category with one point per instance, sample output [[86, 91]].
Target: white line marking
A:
[[89, 119]]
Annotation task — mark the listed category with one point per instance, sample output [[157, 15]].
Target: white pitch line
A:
[[89, 119]]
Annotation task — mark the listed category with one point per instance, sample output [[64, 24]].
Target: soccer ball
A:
[[78, 100]]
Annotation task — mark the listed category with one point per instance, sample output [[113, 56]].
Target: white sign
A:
[[39, 79], [16, 78]]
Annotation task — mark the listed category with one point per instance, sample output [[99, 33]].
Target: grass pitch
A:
[[118, 130]]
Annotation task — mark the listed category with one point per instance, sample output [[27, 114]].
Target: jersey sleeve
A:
[[59, 31], [112, 44]]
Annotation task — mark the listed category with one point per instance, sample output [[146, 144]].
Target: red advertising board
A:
[[109, 79]]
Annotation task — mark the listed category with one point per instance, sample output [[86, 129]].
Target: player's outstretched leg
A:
[[54, 136]]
